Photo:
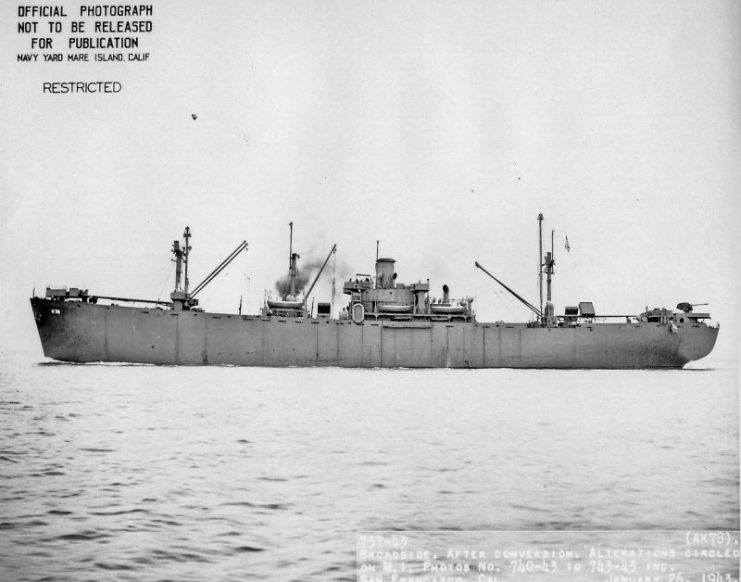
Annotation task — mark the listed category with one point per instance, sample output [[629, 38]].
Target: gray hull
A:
[[86, 332]]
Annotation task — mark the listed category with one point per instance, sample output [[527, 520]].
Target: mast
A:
[[548, 318], [334, 273], [179, 296], [177, 251], [186, 250], [181, 299], [540, 259], [290, 245], [549, 262]]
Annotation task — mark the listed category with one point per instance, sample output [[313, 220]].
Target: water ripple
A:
[[153, 473]]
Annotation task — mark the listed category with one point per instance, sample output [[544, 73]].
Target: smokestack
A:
[[384, 273], [446, 295], [293, 274]]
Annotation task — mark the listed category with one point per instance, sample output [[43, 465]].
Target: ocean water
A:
[[133, 472]]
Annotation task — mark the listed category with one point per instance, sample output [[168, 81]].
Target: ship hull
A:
[[86, 332]]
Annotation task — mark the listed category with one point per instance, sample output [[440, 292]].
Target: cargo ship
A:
[[385, 324]]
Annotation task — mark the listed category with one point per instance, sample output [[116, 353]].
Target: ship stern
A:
[[698, 343]]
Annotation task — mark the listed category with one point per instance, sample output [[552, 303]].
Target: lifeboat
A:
[[394, 307], [447, 308], [285, 304]]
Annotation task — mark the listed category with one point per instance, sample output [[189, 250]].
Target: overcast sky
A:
[[440, 128]]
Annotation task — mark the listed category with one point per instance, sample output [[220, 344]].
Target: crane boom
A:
[[233, 255], [525, 302], [311, 287]]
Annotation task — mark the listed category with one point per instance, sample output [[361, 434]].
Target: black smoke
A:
[[304, 275]]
